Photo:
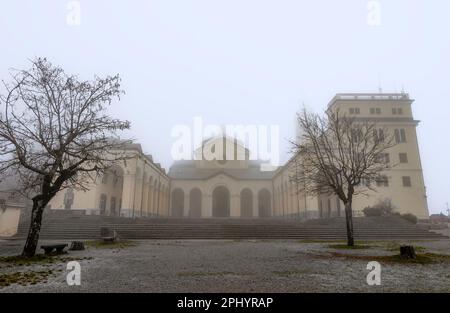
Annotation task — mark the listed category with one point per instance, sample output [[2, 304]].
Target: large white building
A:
[[237, 187]]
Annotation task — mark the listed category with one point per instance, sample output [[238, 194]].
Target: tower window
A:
[[403, 157], [400, 135], [382, 181], [406, 181]]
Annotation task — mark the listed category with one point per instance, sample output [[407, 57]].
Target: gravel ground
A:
[[236, 266]]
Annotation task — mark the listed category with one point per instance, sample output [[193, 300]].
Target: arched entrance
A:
[[264, 203], [195, 203], [246, 203], [177, 202], [221, 202]]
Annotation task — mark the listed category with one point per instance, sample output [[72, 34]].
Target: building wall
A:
[[9, 220], [142, 187], [234, 186], [406, 199], [136, 187]]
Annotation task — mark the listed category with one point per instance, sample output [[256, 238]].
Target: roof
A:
[[187, 170], [370, 97]]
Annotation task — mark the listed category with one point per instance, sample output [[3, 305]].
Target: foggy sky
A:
[[246, 62]]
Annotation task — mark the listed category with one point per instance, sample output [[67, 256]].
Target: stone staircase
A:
[[60, 226]]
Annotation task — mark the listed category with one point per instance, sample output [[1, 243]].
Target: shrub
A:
[[382, 208], [410, 217], [372, 211]]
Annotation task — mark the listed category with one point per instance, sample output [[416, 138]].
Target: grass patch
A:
[[354, 247], [100, 244], [206, 274], [424, 258], [24, 278], [38, 259], [396, 247]]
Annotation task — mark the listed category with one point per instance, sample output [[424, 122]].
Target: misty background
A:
[[245, 62]]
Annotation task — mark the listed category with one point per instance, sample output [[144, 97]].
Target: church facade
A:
[[238, 187]]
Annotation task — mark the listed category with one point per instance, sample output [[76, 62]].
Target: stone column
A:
[[206, 205], [138, 197], [186, 207], [129, 181], [144, 199], [150, 199], [255, 205], [234, 205]]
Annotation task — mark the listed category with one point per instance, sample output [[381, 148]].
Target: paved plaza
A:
[[235, 266]]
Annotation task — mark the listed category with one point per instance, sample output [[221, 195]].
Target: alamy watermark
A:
[[374, 276], [261, 142], [73, 278]]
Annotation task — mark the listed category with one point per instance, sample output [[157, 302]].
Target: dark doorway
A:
[[264, 203], [195, 203], [221, 202], [246, 203], [177, 203]]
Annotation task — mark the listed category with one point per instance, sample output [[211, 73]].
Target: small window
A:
[[394, 111], [381, 135], [105, 178], [400, 111], [354, 110], [378, 110], [406, 181], [102, 205], [403, 157], [382, 181], [400, 135], [372, 110], [383, 158], [112, 208], [397, 136]]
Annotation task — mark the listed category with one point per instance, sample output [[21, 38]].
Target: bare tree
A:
[[55, 134], [340, 155]]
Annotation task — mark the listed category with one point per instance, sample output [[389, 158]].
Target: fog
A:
[[246, 62]]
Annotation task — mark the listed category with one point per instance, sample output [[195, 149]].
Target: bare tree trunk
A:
[[349, 222], [35, 228]]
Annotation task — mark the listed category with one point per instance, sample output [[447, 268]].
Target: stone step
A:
[[88, 227]]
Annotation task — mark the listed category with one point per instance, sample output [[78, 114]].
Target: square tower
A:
[[404, 182]]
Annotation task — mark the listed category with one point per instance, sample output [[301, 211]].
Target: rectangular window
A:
[[112, 208], [102, 205], [357, 135], [382, 181], [400, 111], [406, 181], [383, 158], [378, 110], [397, 136], [356, 110], [400, 135], [372, 110], [394, 111], [381, 135], [403, 157], [352, 111]]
